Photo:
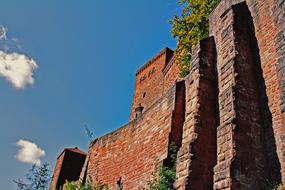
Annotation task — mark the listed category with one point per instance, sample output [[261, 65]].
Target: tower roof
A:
[[75, 150]]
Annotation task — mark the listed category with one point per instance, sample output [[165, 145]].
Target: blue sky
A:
[[87, 53]]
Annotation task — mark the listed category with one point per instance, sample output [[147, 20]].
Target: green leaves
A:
[[167, 174], [190, 28], [87, 186], [167, 178], [37, 178]]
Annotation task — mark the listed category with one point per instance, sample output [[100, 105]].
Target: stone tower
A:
[[149, 82], [227, 117]]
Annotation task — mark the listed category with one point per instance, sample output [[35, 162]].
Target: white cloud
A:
[[29, 152], [17, 69]]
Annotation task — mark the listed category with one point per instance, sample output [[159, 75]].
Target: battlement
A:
[[226, 117], [169, 65], [127, 150], [166, 51]]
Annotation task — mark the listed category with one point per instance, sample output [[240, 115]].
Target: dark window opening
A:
[[144, 94], [139, 110]]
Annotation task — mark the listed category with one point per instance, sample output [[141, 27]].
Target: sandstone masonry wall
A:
[[264, 13], [68, 167], [131, 155], [278, 11], [149, 82], [240, 133], [227, 118], [197, 156], [171, 74], [56, 172]]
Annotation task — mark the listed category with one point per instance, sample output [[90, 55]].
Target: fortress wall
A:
[[279, 20], [268, 19], [149, 81], [267, 16], [244, 128], [56, 172], [131, 155], [171, 74], [178, 115], [227, 118], [197, 156], [68, 167]]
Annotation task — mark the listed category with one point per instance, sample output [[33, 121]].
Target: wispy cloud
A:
[[29, 152], [3, 32], [15, 67]]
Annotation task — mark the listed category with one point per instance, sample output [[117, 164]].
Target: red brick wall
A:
[[268, 18], [171, 74], [56, 172], [197, 156], [149, 81], [68, 168], [178, 115], [244, 125], [264, 16], [279, 20], [278, 11], [134, 152], [246, 144]]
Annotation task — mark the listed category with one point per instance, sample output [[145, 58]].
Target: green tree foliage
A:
[[167, 174], [37, 178], [85, 186], [189, 28]]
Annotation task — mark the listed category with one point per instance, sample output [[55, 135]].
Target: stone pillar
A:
[[241, 157], [269, 22], [278, 12], [197, 155]]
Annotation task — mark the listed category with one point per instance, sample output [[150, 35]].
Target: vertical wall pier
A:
[[279, 13], [269, 21], [197, 155], [242, 160], [178, 115], [177, 121], [279, 19], [274, 167]]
